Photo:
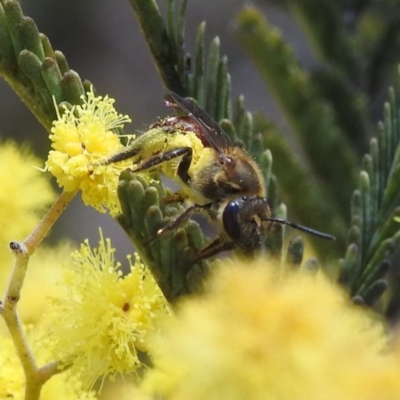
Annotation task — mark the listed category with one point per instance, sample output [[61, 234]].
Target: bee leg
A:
[[184, 165], [174, 198], [174, 223], [124, 155], [165, 156], [217, 246]]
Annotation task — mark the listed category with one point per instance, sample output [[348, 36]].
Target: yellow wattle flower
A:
[[82, 139], [25, 193], [44, 272], [106, 319], [62, 386], [255, 335]]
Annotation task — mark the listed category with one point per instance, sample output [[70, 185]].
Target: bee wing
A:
[[213, 134]]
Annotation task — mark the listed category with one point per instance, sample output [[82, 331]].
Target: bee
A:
[[215, 176]]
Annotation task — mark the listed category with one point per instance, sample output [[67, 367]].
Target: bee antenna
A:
[[300, 228]]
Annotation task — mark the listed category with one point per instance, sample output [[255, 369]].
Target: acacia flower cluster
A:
[[109, 316], [254, 334], [259, 334], [25, 193], [255, 337], [63, 386], [83, 138], [112, 314]]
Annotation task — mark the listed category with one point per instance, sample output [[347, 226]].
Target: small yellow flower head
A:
[[123, 388], [62, 386], [255, 337], [12, 375], [24, 195], [24, 192], [82, 140], [107, 317], [44, 272]]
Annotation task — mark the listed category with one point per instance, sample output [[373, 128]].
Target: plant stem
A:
[[47, 222], [35, 377]]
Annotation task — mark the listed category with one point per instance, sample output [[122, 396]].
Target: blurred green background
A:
[[103, 43]]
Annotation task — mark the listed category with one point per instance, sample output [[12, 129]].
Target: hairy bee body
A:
[[209, 176], [214, 173], [162, 138], [215, 176]]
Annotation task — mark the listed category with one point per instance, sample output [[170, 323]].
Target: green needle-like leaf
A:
[[29, 37], [162, 46], [197, 88], [312, 207], [311, 266], [32, 68], [375, 233], [322, 20], [211, 76], [169, 257], [311, 118], [294, 256], [349, 105]]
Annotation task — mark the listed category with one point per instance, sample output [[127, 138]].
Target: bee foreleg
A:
[[175, 223], [215, 247], [174, 198]]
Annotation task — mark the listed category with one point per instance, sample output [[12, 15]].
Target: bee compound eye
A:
[[230, 220]]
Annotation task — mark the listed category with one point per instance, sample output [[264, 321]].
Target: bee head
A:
[[244, 220], [247, 220]]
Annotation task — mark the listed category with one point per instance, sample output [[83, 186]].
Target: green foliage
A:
[[170, 258], [328, 109], [33, 68], [374, 234]]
